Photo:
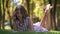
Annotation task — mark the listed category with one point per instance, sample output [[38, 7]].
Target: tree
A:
[[54, 14], [3, 2], [50, 2], [0, 13], [58, 14], [9, 11], [28, 6]]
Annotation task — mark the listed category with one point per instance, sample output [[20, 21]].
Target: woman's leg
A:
[[45, 18]]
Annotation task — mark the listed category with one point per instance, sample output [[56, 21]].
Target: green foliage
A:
[[35, 9]]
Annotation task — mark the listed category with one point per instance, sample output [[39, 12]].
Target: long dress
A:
[[24, 27], [39, 28]]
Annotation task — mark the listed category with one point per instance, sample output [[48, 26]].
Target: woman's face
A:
[[19, 15]]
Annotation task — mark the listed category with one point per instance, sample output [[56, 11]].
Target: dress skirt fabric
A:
[[38, 28]]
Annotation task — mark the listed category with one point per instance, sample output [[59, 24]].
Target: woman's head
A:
[[20, 11]]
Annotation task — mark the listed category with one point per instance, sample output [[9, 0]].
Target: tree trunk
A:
[[28, 6], [54, 14], [51, 21], [0, 13], [3, 2], [9, 7]]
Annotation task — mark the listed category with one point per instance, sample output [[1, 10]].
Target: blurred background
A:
[[35, 9]]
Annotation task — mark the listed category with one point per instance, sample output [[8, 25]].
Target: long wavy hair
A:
[[22, 10]]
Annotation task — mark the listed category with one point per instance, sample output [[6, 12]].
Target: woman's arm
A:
[[30, 24]]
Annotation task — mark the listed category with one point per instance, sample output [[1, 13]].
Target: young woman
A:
[[22, 22]]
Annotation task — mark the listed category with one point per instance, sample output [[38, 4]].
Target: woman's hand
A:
[[48, 7]]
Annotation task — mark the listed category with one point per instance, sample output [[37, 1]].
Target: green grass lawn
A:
[[10, 32]]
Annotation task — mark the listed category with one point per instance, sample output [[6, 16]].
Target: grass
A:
[[10, 32], [7, 31]]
